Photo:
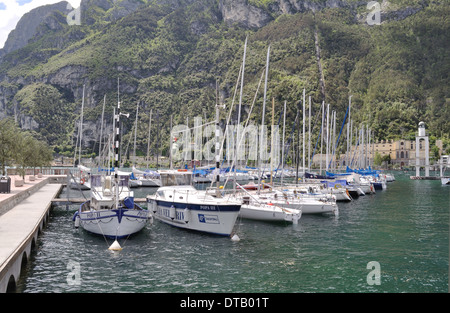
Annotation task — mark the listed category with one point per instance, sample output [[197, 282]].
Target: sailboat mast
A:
[[272, 141], [135, 133], [321, 136], [116, 155], [304, 117], [218, 146], [282, 146], [101, 133], [349, 140], [261, 138], [148, 141], [309, 133], [81, 127], [239, 112], [328, 138]]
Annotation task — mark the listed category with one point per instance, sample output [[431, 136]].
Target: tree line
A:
[[19, 148]]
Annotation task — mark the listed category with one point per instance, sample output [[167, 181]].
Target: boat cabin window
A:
[[178, 179], [123, 180], [160, 194]]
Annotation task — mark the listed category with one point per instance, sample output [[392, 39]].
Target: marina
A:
[[404, 228], [212, 149]]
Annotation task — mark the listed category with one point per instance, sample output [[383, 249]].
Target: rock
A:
[[238, 11], [27, 26]]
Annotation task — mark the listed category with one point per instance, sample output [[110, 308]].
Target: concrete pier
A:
[[23, 214]]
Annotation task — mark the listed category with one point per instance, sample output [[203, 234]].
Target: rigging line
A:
[[279, 120], [340, 132], [99, 226], [228, 118], [248, 119], [195, 127], [316, 119], [290, 139]]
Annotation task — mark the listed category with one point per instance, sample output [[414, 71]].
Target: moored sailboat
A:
[[179, 204], [111, 211]]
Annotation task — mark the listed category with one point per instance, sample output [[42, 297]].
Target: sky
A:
[[12, 10]]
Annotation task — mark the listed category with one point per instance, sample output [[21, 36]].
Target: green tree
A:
[[377, 160], [8, 133]]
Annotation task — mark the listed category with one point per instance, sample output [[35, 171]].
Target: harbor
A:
[[224, 147], [404, 228]]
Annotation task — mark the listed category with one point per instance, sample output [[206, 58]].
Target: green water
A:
[[404, 228]]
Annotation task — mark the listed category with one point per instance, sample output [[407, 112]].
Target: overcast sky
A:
[[12, 10]]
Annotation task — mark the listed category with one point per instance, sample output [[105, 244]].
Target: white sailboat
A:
[[111, 211], [146, 178], [80, 179], [254, 208], [293, 200], [179, 204]]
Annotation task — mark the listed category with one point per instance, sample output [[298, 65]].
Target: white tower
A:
[[422, 135]]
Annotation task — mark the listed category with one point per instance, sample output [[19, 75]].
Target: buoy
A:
[[115, 246], [235, 238]]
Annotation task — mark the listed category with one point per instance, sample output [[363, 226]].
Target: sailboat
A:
[[140, 178], [145, 178], [179, 204], [255, 208], [80, 178], [111, 211]]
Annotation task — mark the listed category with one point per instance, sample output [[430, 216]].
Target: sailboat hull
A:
[[214, 219], [269, 213], [113, 223]]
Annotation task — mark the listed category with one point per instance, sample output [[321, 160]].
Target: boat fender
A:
[[76, 219], [154, 206], [172, 212], [186, 214]]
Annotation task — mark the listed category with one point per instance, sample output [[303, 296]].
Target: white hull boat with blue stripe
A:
[[112, 223], [189, 208], [104, 215]]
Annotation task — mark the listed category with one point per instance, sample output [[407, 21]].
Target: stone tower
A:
[[421, 135]]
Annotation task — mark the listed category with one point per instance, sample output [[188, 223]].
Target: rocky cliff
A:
[[28, 25], [168, 55]]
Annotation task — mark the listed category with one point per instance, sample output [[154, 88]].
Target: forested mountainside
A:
[[169, 54]]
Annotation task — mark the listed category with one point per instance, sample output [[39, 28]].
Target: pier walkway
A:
[[23, 213]]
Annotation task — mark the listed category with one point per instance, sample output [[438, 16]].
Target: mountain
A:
[[168, 55]]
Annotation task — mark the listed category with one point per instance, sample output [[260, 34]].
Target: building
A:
[[402, 153]]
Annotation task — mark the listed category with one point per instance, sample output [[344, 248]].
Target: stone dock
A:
[[23, 214]]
